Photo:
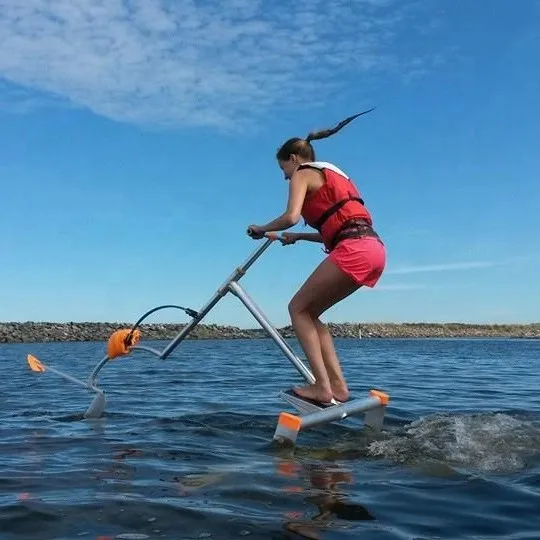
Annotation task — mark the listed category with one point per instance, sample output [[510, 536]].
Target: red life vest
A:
[[334, 204]]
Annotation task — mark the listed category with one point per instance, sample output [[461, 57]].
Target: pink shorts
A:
[[363, 259]]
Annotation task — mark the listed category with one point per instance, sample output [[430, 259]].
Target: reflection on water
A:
[[325, 491]]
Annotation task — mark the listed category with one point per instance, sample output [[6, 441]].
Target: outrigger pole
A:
[[122, 342]]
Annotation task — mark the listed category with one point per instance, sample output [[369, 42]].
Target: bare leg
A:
[[324, 288], [331, 363]]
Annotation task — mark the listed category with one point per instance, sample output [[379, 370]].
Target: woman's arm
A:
[[291, 216], [310, 237]]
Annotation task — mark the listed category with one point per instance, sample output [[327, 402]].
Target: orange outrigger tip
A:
[[35, 364], [124, 341]]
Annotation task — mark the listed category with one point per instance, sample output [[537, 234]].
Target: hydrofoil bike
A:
[[309, 413]]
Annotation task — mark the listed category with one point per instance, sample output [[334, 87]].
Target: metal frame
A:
[[230, 285], [312, 413], [373, 407]]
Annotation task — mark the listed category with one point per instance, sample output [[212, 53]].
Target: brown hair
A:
[[303, 147]]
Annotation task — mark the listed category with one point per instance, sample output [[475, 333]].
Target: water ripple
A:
[[184, 450]]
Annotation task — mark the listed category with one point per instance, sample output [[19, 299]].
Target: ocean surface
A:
[[185, 450]]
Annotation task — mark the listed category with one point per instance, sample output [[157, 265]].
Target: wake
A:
[[489, 442]]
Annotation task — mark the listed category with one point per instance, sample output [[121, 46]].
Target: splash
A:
[[487, 442]]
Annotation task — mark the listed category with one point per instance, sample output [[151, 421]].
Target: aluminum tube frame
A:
[[339, 412], [231, 285], [97, 369], [219, 294], [252, 307]]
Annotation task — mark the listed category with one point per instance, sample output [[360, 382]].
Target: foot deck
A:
[[314, 413], [305, 405]]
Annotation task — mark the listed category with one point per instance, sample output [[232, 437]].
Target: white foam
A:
[[492, 442]]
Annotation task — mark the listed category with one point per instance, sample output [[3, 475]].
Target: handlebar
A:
[[269, 235]]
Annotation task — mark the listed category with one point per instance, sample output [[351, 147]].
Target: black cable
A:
[[188, 311]]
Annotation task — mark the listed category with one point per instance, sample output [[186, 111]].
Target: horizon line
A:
[[224, 325]]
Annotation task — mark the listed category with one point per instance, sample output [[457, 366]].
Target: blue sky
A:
[[137, 143]]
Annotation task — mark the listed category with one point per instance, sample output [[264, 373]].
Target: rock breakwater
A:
[[39, 332]]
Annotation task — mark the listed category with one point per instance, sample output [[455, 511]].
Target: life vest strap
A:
[[333, 209], [355, 228]]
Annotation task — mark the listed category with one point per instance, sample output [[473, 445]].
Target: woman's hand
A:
[[255, 232], [288, 238]]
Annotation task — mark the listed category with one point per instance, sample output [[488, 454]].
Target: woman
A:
[[328, 201]]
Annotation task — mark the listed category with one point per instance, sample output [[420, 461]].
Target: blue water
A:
[[185, 448]]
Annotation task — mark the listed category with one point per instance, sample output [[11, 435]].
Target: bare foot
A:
[[340, 391], [314, 392]]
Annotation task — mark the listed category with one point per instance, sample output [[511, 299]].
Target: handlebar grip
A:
[[251, 232], [270, 235]]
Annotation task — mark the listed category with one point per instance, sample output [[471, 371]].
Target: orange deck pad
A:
[[382, 396], [290, 421]]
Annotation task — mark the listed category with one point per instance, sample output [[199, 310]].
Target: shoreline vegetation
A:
[[41, 332]]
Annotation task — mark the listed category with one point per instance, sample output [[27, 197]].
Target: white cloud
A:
[[194, 62], [399, 287], [445, 267]]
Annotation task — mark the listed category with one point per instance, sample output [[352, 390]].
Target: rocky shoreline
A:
[[40, 332]]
